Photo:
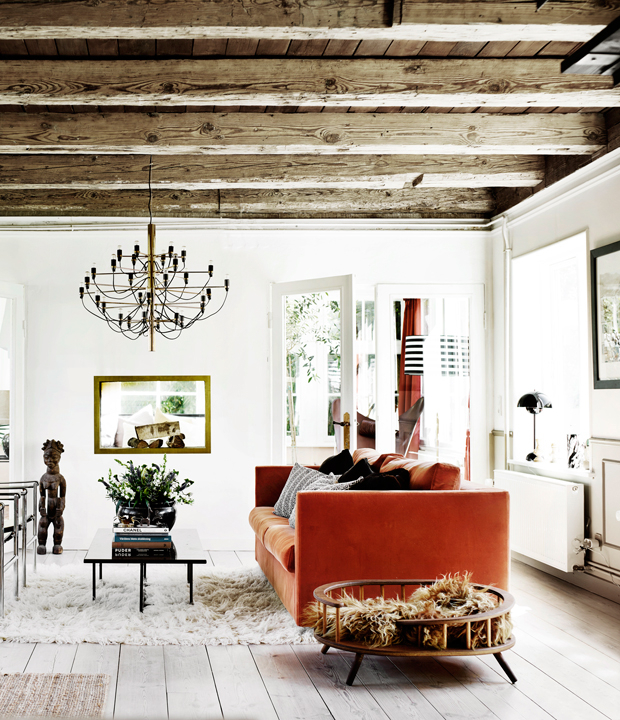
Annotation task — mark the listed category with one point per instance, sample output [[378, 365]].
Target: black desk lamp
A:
[[534, 403]]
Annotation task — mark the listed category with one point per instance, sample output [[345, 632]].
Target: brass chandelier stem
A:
[[151, 286]]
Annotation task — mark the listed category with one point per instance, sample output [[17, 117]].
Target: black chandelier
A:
[[147, 292]]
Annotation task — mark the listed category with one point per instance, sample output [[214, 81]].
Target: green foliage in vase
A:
[[152, 486]]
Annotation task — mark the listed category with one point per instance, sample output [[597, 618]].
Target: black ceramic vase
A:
[[134, 515]]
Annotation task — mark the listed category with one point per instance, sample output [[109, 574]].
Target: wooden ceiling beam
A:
[[302, 82], [308, 133], [108, 172], [476, 20], [234, 203]]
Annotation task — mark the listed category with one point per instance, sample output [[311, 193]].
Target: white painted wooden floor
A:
[[567, 660]]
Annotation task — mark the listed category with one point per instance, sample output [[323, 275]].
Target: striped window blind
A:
[[452, 354], [414, 354]]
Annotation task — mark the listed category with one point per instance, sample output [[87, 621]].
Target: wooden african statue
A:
[[52, 487]]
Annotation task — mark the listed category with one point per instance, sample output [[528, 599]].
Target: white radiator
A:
[[546, 517]]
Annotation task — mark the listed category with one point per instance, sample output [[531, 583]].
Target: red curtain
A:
[[410, 386]]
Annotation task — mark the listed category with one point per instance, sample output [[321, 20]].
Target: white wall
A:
[[592, 207], [587, 201], [66, 347]]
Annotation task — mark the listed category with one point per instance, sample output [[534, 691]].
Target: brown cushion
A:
[[369, 454], [375, 459], [427, 475], [280, 541], [262, 518], [384, 459]]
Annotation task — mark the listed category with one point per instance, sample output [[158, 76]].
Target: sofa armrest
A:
[[270, 481], [402, 535]]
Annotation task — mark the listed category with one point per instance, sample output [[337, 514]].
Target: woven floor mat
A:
[[52, 695]]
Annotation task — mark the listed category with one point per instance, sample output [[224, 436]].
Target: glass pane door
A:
[[431, 344], [311, 320], [431, 361], [313, 376]]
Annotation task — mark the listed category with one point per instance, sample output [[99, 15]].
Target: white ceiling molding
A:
[[597, 172], [56, 224]]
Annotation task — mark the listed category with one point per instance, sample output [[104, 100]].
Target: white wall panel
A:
[[66, 347]]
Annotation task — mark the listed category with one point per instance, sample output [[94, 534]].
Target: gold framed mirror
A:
[[152, 414]]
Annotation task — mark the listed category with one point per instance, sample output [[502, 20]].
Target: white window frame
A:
[[16, 295], [574, 247]]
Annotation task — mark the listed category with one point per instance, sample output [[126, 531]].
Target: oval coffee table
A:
[[325, 595]]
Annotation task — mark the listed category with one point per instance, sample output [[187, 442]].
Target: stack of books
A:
[[145, 541]]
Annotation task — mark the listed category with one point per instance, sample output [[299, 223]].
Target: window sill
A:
[[546, 469]]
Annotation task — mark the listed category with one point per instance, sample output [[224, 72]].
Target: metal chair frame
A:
[[407, 423], [2, 506], [23, 527], [18, 514]]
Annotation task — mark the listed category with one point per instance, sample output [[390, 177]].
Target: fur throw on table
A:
[[375, 621]]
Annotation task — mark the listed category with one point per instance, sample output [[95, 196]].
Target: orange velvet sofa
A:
[[398, 534]]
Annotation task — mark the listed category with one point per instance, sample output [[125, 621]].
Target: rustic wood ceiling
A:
[[295, 108]]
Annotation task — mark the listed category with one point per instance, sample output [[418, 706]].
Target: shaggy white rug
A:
[[231, 607]]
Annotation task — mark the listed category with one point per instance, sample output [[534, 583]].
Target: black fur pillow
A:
[[396, 480], [360, 469], [337, 464]]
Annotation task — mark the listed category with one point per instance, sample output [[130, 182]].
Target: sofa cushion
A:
[[337, 464], [262, 518], [427, 475], [367, 453], [375, 459], [360, 470], [280, 541], [298, 479]]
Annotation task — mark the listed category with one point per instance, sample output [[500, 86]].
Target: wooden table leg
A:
[[354, 668], [506, 668], [324, 649]]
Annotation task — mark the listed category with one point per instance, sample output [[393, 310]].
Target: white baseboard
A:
[[584, 580]]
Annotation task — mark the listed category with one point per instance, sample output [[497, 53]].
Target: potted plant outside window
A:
[[147, 495]]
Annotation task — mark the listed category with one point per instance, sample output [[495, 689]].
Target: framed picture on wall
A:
[[605, 273], [153, 414]]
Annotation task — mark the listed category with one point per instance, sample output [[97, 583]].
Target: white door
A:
[[313, 331]]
